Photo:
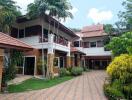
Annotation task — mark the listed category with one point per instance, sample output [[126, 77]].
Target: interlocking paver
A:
[[89, 86]]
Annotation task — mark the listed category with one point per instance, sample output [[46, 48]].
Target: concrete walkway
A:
[[86, 87]]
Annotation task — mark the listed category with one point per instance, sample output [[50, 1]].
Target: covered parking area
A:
[[9, 43]]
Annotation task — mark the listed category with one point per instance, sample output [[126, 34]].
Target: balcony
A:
[[57, 43], [56, 39]]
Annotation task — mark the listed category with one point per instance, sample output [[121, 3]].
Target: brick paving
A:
[[89, 86]]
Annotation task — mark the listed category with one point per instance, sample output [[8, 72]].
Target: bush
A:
[[75, 71], [121, 69], [64, 72], [85, 69], [112, 92]]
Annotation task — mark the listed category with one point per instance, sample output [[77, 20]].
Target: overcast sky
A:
[[87, 12]]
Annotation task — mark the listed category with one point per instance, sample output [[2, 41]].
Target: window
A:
[[100, 43], [33, 30], [92, 44], [76, 44], [86, 44], [56, 61], [45, 35]]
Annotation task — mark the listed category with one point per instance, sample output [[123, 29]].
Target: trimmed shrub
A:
[[86, 69], [112, 92], [121, 69], [75, 71], [64, 72]]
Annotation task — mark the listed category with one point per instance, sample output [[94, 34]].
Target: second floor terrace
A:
[[39, 31]]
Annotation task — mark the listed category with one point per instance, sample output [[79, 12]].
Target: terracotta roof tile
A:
[[92, 31], [98, 27], [8, 40]]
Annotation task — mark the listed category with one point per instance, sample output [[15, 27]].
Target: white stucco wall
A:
[[30, 40], [98, 51]]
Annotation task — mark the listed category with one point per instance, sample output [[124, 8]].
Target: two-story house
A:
[[91, 42], [53, 46]]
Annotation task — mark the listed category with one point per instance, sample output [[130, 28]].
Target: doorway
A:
[[29, 65], [61, 62]]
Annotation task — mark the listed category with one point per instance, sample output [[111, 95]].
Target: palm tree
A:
[[8, 13]]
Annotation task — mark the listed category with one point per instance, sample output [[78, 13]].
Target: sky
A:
[[87, 12]]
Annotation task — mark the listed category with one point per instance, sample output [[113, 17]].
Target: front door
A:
[[61, 62], [29, 65]]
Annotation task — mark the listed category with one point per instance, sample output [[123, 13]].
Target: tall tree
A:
[[126, 16], [8, 13]]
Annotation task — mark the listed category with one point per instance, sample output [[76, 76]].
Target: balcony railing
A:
[[56, 39], [43, 40]]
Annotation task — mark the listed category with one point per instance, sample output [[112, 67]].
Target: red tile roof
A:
[[8, 41], [92, 31], [98, 27]]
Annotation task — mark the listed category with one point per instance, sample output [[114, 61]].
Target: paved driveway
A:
[[86, 87]]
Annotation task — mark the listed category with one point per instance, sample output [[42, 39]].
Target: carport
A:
[[7, 42]]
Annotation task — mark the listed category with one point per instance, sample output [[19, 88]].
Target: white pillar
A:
[[50, 42]]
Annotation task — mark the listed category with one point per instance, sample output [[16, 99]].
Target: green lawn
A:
[[35, 84]]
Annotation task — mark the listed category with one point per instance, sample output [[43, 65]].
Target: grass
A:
[[36, 84]]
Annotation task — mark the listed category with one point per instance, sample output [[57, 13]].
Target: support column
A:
[[68, 57], [50, 61], [68, 60], [78, 60], [36, 52], [1, 66], [72, 60]]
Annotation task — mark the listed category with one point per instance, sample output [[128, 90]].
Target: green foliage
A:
[[86, 69], [127, 90], [121, 45], [10, 72], [56, 8], [121, 70], [76, 71], [109, 29], [64, 72], [112, 92], [125, 16], [8, 13]]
